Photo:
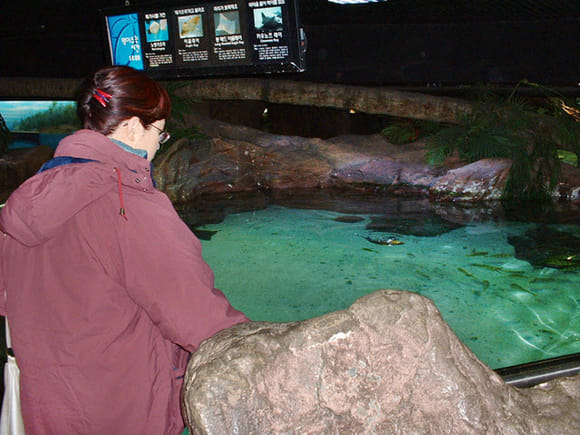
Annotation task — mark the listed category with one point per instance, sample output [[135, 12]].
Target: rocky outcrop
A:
[[233, 159], [230, 159], [18, 165], [220, 165], [481, 180], [388, 364]]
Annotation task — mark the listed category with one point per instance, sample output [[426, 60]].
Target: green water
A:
[[282, 264]]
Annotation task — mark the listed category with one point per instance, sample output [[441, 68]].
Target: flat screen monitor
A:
[[204, 39]]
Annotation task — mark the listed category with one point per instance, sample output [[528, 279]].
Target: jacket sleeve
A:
[[166, 275], [2, 290]]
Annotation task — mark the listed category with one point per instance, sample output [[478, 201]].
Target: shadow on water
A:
[[541, 246], [544, 246], [402, 215]]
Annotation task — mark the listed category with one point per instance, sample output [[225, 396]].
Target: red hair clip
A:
[[102, 97]]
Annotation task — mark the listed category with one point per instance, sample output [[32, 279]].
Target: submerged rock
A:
[[349, 219], [388, 364], [547, 247], [422, 224]]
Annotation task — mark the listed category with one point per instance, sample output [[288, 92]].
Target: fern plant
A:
[[176, 124], [512, 129], [403, 131], [568, 126]]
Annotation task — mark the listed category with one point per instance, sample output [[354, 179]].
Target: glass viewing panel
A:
[[32, 123], [509, 288]]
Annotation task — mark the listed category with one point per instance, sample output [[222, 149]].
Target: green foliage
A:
[[177, 122], [53, 119], [403, 131], [180, 106], [4, 135], [568, 126], [535, 167], [529, 135], [568, 157]]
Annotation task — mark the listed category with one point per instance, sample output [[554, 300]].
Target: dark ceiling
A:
[[23, 16], [390, 42], [439, 11]]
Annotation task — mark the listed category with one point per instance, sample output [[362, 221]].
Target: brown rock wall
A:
[[388, 364]]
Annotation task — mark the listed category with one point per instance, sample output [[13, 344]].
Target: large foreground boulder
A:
[[388, 364]]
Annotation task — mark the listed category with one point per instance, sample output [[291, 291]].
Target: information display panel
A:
[[203, 39]]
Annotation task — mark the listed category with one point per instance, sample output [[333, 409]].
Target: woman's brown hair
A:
[[114, 94]]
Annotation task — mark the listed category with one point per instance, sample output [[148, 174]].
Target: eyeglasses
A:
[[164, 136]]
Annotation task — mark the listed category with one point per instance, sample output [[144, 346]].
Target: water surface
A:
[[507, 297]]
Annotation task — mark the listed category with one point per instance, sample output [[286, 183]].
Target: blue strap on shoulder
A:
[[62, 160]]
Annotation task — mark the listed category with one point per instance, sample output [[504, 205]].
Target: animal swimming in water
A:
[[389, 241]]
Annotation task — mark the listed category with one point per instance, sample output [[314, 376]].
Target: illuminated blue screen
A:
[[125, 40]]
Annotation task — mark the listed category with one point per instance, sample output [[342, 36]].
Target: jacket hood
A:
[[36, 210]]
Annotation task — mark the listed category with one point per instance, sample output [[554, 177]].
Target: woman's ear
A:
[[134, 129]]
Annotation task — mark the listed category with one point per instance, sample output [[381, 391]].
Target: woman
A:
[[105, 287]]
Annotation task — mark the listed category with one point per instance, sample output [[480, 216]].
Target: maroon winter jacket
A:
[[103, 309]]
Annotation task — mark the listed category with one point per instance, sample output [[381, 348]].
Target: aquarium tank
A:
[[40, 122]]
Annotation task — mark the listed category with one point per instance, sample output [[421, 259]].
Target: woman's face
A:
[[139, 136]]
